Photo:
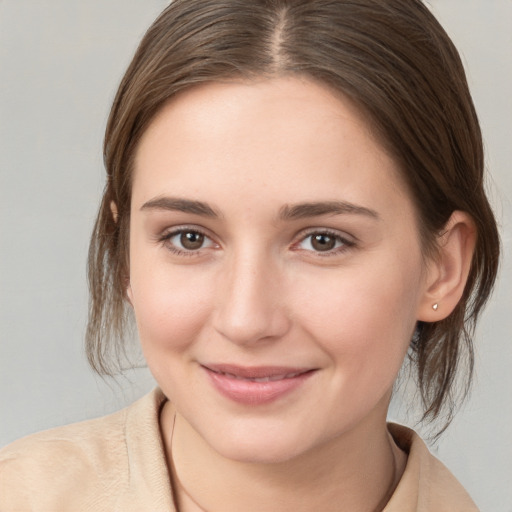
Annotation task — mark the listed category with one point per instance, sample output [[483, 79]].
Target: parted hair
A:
[[394, 61]]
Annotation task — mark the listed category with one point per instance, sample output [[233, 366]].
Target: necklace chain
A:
[[176, 484], [178, 487]]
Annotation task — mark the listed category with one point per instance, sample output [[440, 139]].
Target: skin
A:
[[258, 292]]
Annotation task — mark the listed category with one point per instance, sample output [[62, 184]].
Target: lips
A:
[[256, 385]]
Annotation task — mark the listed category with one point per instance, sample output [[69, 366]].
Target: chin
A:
[[268, 454], [260, 447]]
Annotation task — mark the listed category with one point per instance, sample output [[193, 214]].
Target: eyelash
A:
[[165, 241], [345, 243]]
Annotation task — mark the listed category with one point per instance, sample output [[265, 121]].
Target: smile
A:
[[255, 385], [261, 379]]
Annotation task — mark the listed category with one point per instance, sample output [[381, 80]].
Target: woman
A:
[[294, 193]]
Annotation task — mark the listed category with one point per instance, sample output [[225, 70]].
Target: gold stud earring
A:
[[435, 306]]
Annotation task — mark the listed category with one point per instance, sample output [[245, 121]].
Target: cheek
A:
[[171, 306], [364, 317]]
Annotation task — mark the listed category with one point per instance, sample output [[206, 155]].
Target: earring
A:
[[435, 306]]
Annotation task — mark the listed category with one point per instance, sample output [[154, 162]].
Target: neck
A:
[[356, 472]]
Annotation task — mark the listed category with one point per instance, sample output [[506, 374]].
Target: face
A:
[[275, 266]]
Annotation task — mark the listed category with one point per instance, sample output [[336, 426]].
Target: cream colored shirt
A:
[[117, 463]]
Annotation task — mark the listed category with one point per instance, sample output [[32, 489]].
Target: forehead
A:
[[246, 106], [289, 136]]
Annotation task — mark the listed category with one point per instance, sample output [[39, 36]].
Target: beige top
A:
[[117, 463]]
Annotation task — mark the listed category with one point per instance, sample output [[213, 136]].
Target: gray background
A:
[[60, 63]]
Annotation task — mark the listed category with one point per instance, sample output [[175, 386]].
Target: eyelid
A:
[[348, 241], [166, 235]]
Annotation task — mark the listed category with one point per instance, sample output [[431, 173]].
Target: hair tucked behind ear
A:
[[393, 59]]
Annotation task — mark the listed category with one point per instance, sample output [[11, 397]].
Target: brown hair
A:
[[393, 59]]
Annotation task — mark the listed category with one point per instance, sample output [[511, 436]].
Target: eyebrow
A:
[[316, 209], [180, 205], [286, 213]]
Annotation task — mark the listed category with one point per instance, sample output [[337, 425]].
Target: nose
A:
[[250, 305]]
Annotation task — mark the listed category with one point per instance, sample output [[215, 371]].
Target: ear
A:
[[448, 271], [128, 288], [114, 210], [129, 294]]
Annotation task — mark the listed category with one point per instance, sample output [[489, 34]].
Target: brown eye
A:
[[191, 240], [323, 242], [188, 242]]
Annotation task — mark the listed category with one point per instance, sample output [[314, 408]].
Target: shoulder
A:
[[427, 484], [79, 463], [37, 470]]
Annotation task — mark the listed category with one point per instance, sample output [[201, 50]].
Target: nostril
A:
[[248, 306], [251, 325]]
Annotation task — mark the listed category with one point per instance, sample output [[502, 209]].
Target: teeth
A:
[[266, 379], [262, 379]]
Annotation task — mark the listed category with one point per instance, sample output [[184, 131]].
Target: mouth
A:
[[257, 373], [258, 384]]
